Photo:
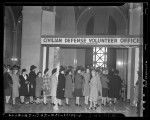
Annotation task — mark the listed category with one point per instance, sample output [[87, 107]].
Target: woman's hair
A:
[[23, 70], [68, 71]]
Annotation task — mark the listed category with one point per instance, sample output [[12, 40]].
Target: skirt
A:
[[78, 92], [104, 92], [8, 91]]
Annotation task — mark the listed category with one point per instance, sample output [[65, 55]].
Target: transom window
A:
[[100, 57]]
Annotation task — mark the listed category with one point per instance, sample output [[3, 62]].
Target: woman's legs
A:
[[31, 98], [67, 101], [86, 100], [22, 99], [14, 100], [77, 100], [7, 99]]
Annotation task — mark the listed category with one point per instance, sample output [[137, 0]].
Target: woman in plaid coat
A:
[[46, 85]]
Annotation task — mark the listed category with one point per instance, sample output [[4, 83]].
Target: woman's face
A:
[[62, 72], [70, 73], [40, 75], [15, 71], [93, 73], [87, 71], [79, 71]]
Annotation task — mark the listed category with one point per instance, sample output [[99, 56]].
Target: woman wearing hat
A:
[[86, 90], [61, 85], [46, 85], [54, 82], [7, 83], [93, 90], [23, 91], [78, 86], [104, 81], [32, 80], [68, 86], [16, 84]]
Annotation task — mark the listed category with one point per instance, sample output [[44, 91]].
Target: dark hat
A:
[[54, 70], [8, 67], [32, 67], [68, 70], [61, 68], [46, 70], [24, 70], [15, 67]]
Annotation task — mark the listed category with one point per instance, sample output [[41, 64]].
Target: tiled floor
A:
[[119, 107]]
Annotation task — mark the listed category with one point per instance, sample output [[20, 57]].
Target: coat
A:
[[15, 86], [86, 90], [104, 81], [78, 91], [39, 84], [7, 84], [23, 90], [94, 89], [46, 85], [54, 82], [114, 86], [68, 86], [61, 86], [32, 80]]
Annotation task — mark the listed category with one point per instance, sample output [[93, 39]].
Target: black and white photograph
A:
[[73, 59]]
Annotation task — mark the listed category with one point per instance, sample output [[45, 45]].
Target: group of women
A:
[[69, 83]]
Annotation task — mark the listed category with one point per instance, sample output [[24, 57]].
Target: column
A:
[[134, 29], [48, 28], [31, 36]]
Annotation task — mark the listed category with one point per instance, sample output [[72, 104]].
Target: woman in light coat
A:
[[86, 90], [54, 82], [16, 84], [93, 90]]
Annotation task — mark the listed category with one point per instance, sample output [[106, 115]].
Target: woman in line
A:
[[46, 85], [68, 86], [93, 90], [78, 87], [39, 84], [104, 81], [61, 85], [86, 90], [54, 82], [32, 80], [16, 84], [7, 83], [23, 91]]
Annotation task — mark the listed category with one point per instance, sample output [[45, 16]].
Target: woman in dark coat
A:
[[117, 86], [32, 80], [61, 85], [7, 83], [78, 86], [23, 91], [68, 86]]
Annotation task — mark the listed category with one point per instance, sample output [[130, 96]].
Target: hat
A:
[[45, 71], [8, 67], [15, 67], [32, 67], [61, 68], [68, 70], [54, 70], [24, 70]]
